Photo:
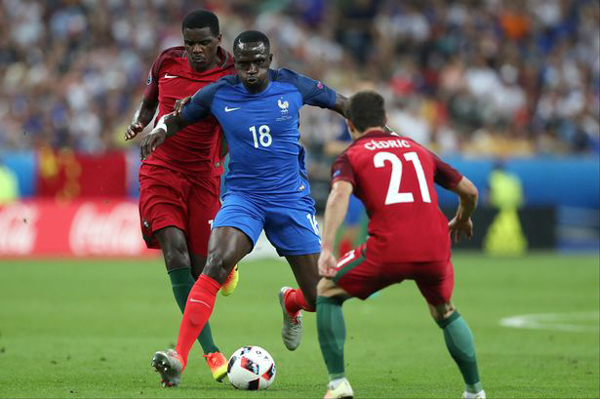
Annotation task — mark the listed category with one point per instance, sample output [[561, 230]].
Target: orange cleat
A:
[[231, 282], [217, 364]]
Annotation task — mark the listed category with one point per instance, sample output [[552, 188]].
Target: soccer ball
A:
[[251, 368]]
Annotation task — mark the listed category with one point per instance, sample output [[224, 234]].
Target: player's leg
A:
[[227, 246], [204, 202], [178, 262], [457, 335], [357, 277], [292, 229], [306, 272], [235, 231], [332, 336], [293, 300]]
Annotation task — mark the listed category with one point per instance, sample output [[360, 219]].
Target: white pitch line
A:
[[554, 321]]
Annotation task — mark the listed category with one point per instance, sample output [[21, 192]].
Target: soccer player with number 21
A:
[[409, 237], [267, 185]]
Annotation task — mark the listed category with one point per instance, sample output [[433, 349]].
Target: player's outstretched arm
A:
[[341, 104], [335, 211], [167, 126], [461, 223], [143, 115]]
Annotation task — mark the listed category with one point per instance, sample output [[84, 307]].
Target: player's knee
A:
[[176, 256], [442, 311], [327, 288], [217, 267]]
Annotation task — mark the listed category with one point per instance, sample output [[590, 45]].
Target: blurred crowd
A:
[[484, 77]]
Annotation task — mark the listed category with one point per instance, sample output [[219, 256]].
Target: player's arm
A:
[[167, 126], [449, 178], [193, 111], [142, 117], [461, 223], [340, 105], [335, 211], [147, 108]]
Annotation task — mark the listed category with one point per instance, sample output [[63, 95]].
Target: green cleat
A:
[[168, 364]]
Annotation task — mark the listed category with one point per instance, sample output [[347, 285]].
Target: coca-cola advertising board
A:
[[83, 228]]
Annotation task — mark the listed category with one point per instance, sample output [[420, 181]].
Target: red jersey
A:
[[394, 177], [197, 150]]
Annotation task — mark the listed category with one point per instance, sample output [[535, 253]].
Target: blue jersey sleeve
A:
[[199, 106], [313, 92]]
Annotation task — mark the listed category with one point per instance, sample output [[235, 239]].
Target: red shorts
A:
[[360, 277], [169, 198]]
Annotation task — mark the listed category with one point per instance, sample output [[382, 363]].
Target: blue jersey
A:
[[262, 130]]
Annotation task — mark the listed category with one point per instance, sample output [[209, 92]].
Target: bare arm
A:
[[461, 223], [341, 102], [142, 117], [335, 211]]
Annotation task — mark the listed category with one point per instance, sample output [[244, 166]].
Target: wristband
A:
[[161, 124]]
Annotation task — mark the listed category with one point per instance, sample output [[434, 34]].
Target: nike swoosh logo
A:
[[198, 301], [167, 76], [227, 109]]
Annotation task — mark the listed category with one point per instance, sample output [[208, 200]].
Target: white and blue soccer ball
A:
[[251, 368]]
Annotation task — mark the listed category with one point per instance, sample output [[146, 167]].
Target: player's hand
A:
[[179, 104], [327, 264], [459, 227], [152, 140], [133, 130]]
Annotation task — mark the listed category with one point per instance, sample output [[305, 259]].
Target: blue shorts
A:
[[290, 225]]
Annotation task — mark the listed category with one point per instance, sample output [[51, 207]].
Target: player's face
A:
[[201, 47], [252, 62]]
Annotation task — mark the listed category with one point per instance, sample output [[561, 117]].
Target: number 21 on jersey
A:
[[394, 196], [263, 138]]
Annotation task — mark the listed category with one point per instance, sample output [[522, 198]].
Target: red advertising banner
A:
[[78, 228], [67, 175]]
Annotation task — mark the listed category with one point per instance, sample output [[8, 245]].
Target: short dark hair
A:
[[201, 19], [251, 36], [366, 109]]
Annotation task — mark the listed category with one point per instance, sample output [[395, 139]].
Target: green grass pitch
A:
[[88, 328]]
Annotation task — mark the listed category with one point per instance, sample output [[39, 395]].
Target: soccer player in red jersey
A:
[[180, 182], [409, 237]]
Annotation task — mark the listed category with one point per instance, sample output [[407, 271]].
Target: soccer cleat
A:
[[343, 390], [291, 331], [472, 395], [232, 281], [217, 364], [168, 364]]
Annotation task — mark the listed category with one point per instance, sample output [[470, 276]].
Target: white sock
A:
[[333, 384]]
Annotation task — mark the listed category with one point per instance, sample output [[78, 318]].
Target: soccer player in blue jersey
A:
[[267, 185]]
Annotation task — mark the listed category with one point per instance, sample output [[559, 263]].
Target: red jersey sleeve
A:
[[151, 92], [445, 175], [342, 169]]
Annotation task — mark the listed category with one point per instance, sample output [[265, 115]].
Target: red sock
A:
[[198, 308], [294, 301]]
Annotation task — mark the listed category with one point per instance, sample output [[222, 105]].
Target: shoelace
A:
[[211, 359]]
